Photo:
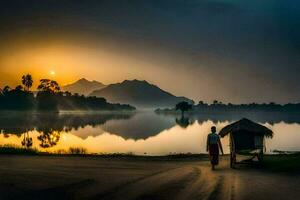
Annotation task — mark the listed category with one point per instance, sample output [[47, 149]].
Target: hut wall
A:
[[259, 141], [244, 140]]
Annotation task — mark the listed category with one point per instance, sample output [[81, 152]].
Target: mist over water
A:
[[141, 133]]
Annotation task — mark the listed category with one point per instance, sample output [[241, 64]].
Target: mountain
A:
[[83, 86], [138, 93]]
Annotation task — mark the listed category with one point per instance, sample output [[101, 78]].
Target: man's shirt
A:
[[213, 138]]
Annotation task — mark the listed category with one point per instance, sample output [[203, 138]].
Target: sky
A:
[[229, 50]]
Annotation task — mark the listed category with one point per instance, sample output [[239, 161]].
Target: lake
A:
[[140, 133]]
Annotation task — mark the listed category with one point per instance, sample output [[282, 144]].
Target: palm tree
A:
[[183, 106], [27, 81]]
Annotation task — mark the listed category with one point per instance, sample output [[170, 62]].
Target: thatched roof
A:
[[246, 125]]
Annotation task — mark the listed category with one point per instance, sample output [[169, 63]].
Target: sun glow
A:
[[52, 73]]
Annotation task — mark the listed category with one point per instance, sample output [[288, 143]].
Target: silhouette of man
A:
[[212, 146]]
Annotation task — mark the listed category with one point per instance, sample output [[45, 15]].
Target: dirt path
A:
[[98, 178]]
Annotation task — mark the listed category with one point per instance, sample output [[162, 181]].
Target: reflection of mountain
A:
[[22, 122], [140, 126], [127, 124], [83, 86], [138, 93], [50, 126]]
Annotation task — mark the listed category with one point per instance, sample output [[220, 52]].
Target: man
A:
[[212, 146]]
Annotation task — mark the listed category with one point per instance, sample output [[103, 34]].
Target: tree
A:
[[183, 106], [27, 81], [19, 88], [201, 103], [47, 85], [67, 94], [6, 89], [215, 102], [47, 97]]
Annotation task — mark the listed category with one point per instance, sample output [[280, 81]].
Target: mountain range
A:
[[83, 87], [140, 94]]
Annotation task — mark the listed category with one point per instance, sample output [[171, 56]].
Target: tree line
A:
[[49, 97], [272, 106], [218, 106]]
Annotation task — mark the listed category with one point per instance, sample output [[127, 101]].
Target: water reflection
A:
[[184, 122], [27, 140], [140, 126], [19, 123], [51, 125], [142, 132], [49, 138]]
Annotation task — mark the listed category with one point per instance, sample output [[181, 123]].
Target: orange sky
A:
[[232, 51], [103, 61]]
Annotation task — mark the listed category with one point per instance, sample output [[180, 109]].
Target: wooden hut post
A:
[[232, 152], [261, 153]]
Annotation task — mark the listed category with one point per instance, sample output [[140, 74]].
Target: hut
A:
[[246, 137]]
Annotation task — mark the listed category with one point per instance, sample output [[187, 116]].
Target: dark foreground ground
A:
[[57, 177]]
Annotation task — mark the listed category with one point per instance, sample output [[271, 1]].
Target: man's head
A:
[[213, 129]]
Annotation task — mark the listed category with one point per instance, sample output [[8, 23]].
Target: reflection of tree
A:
[[16, 123], [184, 122], [27, 140], [16, 130], [49, 138], [21, 123]]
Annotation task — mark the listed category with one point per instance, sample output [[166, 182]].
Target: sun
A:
[[52, 73]]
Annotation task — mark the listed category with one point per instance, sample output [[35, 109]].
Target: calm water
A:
[[138, 133]]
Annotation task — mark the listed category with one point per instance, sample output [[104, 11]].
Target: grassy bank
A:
[[282, 163], [289, 163], [9, 149], [79, 151]]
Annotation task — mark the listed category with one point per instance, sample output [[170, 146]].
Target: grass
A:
[[80, 151], [10, 149], [77, 151], [282, 163]]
